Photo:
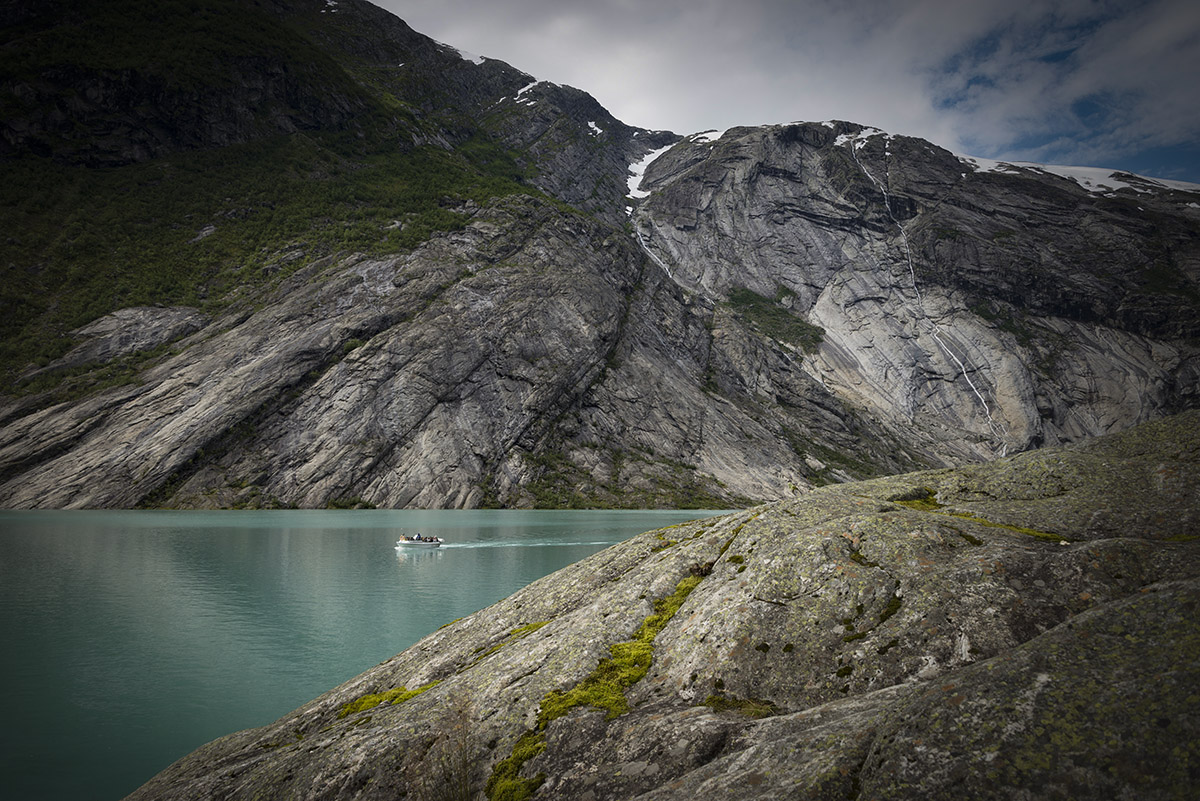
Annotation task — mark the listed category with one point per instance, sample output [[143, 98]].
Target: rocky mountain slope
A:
[[1018, 629], [386, 272], [992, 309]]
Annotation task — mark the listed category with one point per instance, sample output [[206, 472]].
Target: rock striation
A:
[[129, 331], [987, 310], [768, 310], [1019, 629]]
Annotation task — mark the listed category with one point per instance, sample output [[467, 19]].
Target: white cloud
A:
[[1079, 82]]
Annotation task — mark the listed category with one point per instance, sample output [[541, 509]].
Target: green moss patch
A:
[[1029, 532], [521, 631], [922, 499], [663, 542], [770, 318], [893, 606], [396, 695], [972, 540], [604, 689], [505, 783]]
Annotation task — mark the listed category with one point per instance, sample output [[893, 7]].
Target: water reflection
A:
[[408, 557]]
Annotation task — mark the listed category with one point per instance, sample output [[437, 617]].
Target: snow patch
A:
[[330, 7], [463, 54], [527, 101], [706, 136], [596, 129], [638, 170], [1093, 179], [978, 164], [1097, 180], [859, 139]]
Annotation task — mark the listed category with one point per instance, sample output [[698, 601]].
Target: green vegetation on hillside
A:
[[770, 318], [205, 226], [194, 228], [183, 43], [560, 483]]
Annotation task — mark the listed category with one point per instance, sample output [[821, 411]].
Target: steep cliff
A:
[[984, 310], [387, 272], [122, 81], [1019, 629], [536, 356]]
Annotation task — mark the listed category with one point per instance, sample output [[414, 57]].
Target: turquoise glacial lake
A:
[[131, 638]]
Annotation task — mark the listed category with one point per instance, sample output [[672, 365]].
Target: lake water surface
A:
[[130, 638]]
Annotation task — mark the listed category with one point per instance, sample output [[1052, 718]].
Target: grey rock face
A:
[[980, 312], [534, 343], [907, 310], [541, 357], [873, 637], [580, 150], [128, 331]]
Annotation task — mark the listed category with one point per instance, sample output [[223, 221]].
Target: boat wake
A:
[[524, 544]]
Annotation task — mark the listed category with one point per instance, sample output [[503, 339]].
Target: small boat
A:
[[417, 541]]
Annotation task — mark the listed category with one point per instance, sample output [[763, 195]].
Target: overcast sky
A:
[[1078, 82]]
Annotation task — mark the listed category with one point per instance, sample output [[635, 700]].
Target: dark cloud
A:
[[1071, 81]]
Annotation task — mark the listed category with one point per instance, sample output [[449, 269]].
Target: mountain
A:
[[1020, 629], [293, 253], [266, 253], [993, 308]]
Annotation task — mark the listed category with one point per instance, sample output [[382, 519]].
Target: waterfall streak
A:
[[652, 255], [936, 330]]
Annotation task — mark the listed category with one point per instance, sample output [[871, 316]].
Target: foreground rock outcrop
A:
[[1021, 629]]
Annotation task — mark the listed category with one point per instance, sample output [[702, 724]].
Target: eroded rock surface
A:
[[931, 635], [129, 331], [983, 311], [534, 357], [790, 306]]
